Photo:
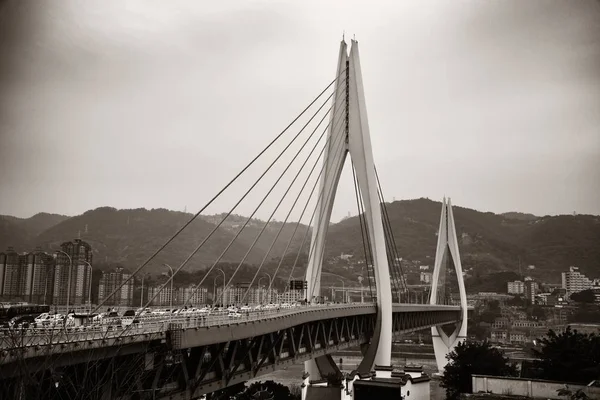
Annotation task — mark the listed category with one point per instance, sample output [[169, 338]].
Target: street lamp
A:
[[89, 287], [214, 287], [69, 280], [170, 297], [343, 290], [142, 293], [269, 288]]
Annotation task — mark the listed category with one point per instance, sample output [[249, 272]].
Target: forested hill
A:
[[488, 242]]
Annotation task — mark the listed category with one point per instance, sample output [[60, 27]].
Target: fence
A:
[[535, 388]]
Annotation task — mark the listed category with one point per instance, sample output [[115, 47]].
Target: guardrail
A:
[[18, 338], [21, 338]]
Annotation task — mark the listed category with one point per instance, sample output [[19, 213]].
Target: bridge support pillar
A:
[[447, 247], [328, 378], [355, 139]]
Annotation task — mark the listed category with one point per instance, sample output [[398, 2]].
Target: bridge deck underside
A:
[[186, 363]]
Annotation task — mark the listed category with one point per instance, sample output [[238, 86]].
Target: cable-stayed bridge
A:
[[183, 356]]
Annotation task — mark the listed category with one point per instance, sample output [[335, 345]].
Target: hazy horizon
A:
[[146, 104], [352, 214]]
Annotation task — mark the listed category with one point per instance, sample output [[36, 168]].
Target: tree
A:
[[585, 296], [569, 356], [470, 358], [259, 390], [536, 312]]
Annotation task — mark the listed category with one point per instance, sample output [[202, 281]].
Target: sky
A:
[[155, 104]]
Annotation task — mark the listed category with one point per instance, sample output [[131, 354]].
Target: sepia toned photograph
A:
[[299, 200]]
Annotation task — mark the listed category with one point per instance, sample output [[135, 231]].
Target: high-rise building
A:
[[291, 296], [26, 276], [530, 289], [163, 295], [516, 287], [232, 295], [109, 282], [37, 273], [574, 281], [9, 283], [77, 266], [192, 296]]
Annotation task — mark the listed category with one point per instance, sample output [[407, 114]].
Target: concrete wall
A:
[[418, 391], [527, 387]]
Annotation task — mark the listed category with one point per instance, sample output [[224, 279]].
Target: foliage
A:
[[490, 243], [517, 301], [585, 296], [493, 282], [489, 316], [537, 313], [468, 358], [277, 390], [227, 393], [586, 315], [569, 356], [577, 395]]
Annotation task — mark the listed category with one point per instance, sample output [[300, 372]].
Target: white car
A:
[[234, 315], [246, 308]]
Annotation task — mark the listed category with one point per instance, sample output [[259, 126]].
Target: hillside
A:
[[129, 237], [488, 242], [23, 231]]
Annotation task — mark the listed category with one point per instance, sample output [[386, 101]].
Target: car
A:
[[234, 315], [246, 308]]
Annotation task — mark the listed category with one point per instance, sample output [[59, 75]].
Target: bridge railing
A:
[[16, 338]]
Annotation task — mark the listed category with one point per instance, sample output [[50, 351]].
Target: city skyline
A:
[[152, 100]]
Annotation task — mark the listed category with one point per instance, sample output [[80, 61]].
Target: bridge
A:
[[186, 356]]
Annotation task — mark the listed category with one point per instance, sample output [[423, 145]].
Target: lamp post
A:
[[170, 297], [269, 288], [89, 287], [69, 279], [224, 282], [362, 296], [343, 290], [142, 293]]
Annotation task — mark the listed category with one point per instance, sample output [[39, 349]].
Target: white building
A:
[[163, 298], [574, 281], [192, 295], [425, 277], [516, 287], [291, 296]]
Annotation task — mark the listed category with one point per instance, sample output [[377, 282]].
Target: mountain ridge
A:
[[489, 242]]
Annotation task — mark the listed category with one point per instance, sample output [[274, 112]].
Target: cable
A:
[[321, 198], [100, 304], [257, 207], [239, 201], [367, 237], [391, 256], [391, 232], [268, 221], [292, 207], [322, 209], [302, 213], [362, 234]]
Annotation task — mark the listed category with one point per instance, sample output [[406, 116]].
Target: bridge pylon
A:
[[349, 98], [447, 247]]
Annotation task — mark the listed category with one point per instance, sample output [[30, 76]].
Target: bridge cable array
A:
[[211, 201], [245, 195], [392, 250], [364, 234]]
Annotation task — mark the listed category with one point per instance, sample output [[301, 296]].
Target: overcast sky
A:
[[151, 103]]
